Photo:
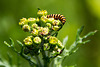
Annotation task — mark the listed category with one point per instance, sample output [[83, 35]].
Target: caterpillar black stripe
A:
[[57, 16]]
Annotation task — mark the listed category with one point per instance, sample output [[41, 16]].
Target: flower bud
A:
[[39, 28], [28, 41], [31, 20], [37, 20], [50, 20], [30, 37], [43, 19], [60, 44], [34, 32], [46, 46], [23, 21], [53, 40], [55, 28], [58, 51], [56, 48], [48, 37], [48, 25], [40, 13], [45, 12], [34, 25], [45, 31], [56, 22], [26, 28], [45, 38], [54, 53], [37, 40]]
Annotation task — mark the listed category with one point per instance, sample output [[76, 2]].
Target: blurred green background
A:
[[77, 13]]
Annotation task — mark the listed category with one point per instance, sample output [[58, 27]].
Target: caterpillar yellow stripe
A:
[[57, 16]]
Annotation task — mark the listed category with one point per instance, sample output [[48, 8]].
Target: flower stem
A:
[[45, 58], [38, 61]]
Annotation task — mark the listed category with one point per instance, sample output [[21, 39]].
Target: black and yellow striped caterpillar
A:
[[57, 16]]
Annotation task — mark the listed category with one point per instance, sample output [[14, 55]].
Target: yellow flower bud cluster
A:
[[41, 30], [55, 44]]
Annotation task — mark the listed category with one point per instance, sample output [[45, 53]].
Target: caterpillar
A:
[[57, 16]]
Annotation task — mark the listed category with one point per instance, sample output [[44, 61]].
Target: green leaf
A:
[[79, 41], [84, 42], [79, 32], [65, 40], [72, 46], [7, 44], [89, 34], [20, 43], [12, 42]]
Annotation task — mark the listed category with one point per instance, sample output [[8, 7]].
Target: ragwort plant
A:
[[43, 40]]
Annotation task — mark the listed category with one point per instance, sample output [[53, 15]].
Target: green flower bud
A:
[[54, 53], [48, 25], [56, 48], [60, 44], [53, 40], [46, 46], [40, 13], [45, 12], [50, 20], [55, 28], [26, 28], [56, 22], [43, 19], [45, 38], [37, 40], [31, 20], [34, 32], [34, 25], [28, 41], [23, 21]]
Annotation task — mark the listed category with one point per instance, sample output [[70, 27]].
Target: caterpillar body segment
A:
[[57, 16]]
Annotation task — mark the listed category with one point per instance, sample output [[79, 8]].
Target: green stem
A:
[[32, 64], [45, 58], [38, 61]]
